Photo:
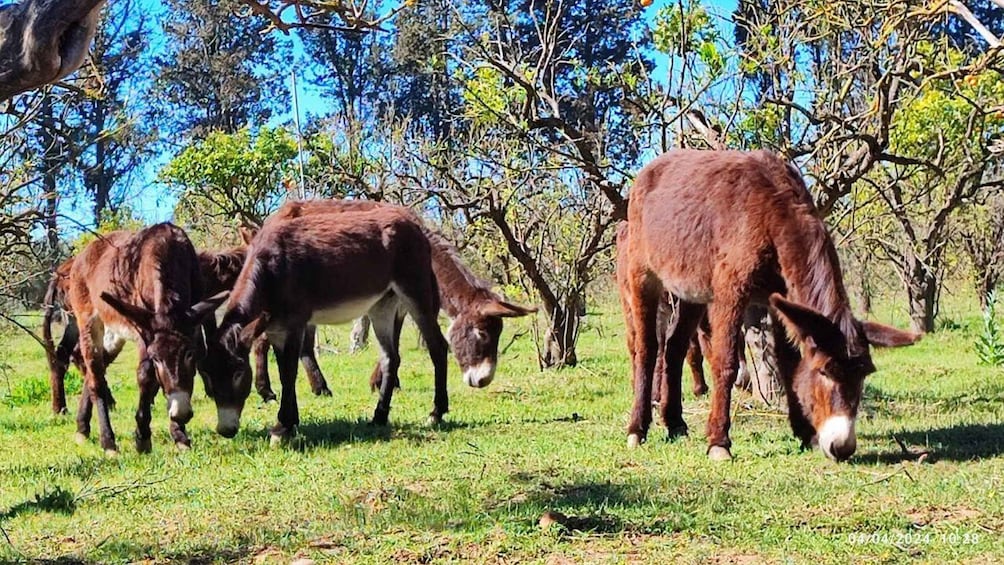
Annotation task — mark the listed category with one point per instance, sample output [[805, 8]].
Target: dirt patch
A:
[[937, 515]]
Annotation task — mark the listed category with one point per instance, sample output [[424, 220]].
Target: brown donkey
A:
[[722, 229], [219, 270], [143, 286], [475, 311], [326, 269]]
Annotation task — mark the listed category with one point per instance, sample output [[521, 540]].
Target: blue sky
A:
[[154, 203]]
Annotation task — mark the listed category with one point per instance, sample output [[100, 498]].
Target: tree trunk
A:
[[763, 380], [360, 334], [48, 167], [563, 333], [922, 291]]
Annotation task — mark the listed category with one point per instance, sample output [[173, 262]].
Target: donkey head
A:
[[227, 367], [474, 337], [829, 378], [172, 346]]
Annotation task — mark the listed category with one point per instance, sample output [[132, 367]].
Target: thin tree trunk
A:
[[360, 334], [559, 344], [763, 377], [922, 291]]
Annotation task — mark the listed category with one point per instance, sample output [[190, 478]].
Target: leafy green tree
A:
[[228, 180]]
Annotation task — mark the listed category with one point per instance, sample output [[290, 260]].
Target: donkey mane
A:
[[464, 287], [814, 276]]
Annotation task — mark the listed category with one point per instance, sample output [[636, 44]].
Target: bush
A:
[[990, 343]]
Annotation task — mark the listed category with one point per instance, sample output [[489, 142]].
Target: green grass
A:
[[532, 442]]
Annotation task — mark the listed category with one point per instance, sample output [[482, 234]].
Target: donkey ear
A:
[[207, 307], [138, 316], [887, 336], [504, 309], [805, 325], [254, 329]]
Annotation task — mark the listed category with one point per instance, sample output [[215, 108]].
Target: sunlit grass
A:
[[532, 442]]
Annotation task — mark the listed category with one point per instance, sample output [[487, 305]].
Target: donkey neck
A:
[[811, 270], [459, 288]]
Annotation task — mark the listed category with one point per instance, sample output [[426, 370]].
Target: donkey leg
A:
[[95, 385], [148, 386], [308, 359], [386, 322], [645, 297], [58, 365], [676, 350], [287, 353], [725, 315], [261, 380], [695, 360]]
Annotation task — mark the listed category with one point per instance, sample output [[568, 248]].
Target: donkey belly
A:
[[345, 311]]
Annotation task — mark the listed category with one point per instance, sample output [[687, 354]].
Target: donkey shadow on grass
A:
[[960, 443], [328, 433]]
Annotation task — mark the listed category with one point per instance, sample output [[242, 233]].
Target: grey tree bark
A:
[[761, 377], [42, 41], [360, 334]]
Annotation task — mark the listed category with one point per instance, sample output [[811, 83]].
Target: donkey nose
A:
[[179, 407], [837, 438], [480, 375], [228, 420]]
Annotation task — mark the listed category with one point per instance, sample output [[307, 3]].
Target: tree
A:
[[219, 71], [227, 180], [42, 41], [546, 143]]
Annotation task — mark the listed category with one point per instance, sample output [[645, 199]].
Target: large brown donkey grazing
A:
[[723, 229], [474, 309], [327, 269], [143, 286]]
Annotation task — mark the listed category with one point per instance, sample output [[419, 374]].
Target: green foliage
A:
[[990, 342], [226, 178], [685, 28]]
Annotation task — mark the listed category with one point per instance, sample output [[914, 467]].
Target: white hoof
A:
[[633, 441], [434, 421], [719, 453], [182, 446], [112, 453], [80, 438]]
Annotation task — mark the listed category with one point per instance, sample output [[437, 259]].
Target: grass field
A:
[[533, 442]]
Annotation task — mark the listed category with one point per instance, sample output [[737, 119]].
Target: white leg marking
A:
[[179, 405]]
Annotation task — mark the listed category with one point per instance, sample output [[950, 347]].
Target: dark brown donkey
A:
[[219, 270], [475, 310], [143, 286], [720, 230], [326, 269]]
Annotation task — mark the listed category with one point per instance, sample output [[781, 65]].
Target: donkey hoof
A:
[[280, 437], [719, 453], [434, 421], [80, 438], [634, 440], [323, 392], [144, 445], [677, 431], [700, 390], [112, 453], [182, 446], [268, 397]]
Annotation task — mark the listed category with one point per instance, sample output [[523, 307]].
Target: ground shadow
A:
[[963, 442], [591, 506], [331, 433], [58, 500]]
